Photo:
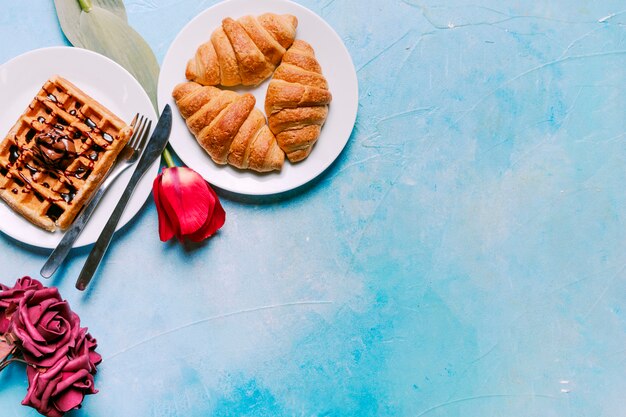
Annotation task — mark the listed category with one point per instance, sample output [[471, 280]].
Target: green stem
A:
[[169, 161], [85, 5]]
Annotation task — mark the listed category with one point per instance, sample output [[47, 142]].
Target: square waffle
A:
[[56, 155]]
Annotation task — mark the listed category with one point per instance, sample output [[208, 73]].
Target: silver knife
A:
[[154, 149]]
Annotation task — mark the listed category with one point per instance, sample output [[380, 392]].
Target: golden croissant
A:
[[297, 101], [243, 51], [228, 127]]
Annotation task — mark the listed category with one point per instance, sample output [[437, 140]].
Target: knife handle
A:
[[102, 244], [155, 147]]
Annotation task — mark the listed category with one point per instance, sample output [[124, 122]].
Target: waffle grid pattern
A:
[[56, 155]]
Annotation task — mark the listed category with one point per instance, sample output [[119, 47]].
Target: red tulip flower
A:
[[188, 207]]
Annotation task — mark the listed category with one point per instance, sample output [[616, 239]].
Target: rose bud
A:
[[187, 205]]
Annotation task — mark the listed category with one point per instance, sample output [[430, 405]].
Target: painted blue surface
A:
[[465, 256]]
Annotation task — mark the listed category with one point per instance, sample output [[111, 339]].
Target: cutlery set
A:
[[132, 155]]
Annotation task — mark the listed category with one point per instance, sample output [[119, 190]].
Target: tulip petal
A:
[[215, 220], [166, 229], [188, 197], [171, 215]]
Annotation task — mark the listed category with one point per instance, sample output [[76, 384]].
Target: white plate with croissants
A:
[[265, 95]]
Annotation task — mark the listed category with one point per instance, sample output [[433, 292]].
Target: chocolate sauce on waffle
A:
[[14, 153], [54, 148], [69, 195], [30, 135], [77, 112], [90, 123], [54, 212], [107, 137], [33, 171]]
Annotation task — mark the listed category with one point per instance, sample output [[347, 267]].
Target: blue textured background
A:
[[465, 255]]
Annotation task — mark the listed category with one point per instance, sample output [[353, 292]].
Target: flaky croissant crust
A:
[[228, 127], [244, 51], [297, 101]]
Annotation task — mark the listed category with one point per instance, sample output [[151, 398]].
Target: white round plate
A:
[[105, 81], [336, 65]]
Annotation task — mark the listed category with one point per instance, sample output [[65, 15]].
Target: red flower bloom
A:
[[61, 388], [44, 327], [45, 333], [187, 205]]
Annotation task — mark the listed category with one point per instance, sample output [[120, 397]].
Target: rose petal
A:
[[214, 222], [166, 228], [12, 296], [86, 345], [41, 385], [70, 399], [4, 324], [70, 378], [188, 197], [28, 283]]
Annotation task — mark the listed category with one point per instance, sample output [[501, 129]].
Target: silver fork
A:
[[127, 157]]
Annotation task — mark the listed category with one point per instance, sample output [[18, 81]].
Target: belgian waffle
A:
[[56, 155]]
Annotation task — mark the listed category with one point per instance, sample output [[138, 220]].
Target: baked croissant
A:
[[297, 101], [244, 51], [228, 126]]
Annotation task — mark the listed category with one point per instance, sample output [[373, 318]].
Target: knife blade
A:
[[155, 147]]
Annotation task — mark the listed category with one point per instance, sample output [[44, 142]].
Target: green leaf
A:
[[105, 32], [69, 12], [114, 6]]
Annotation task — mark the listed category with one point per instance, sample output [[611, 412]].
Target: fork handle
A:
[[59, 254]]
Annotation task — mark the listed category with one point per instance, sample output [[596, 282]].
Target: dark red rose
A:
[[61, 388], [44, 327], [12, 296]]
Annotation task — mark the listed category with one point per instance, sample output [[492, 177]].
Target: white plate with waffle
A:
[[337, 67], [21, 79]]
